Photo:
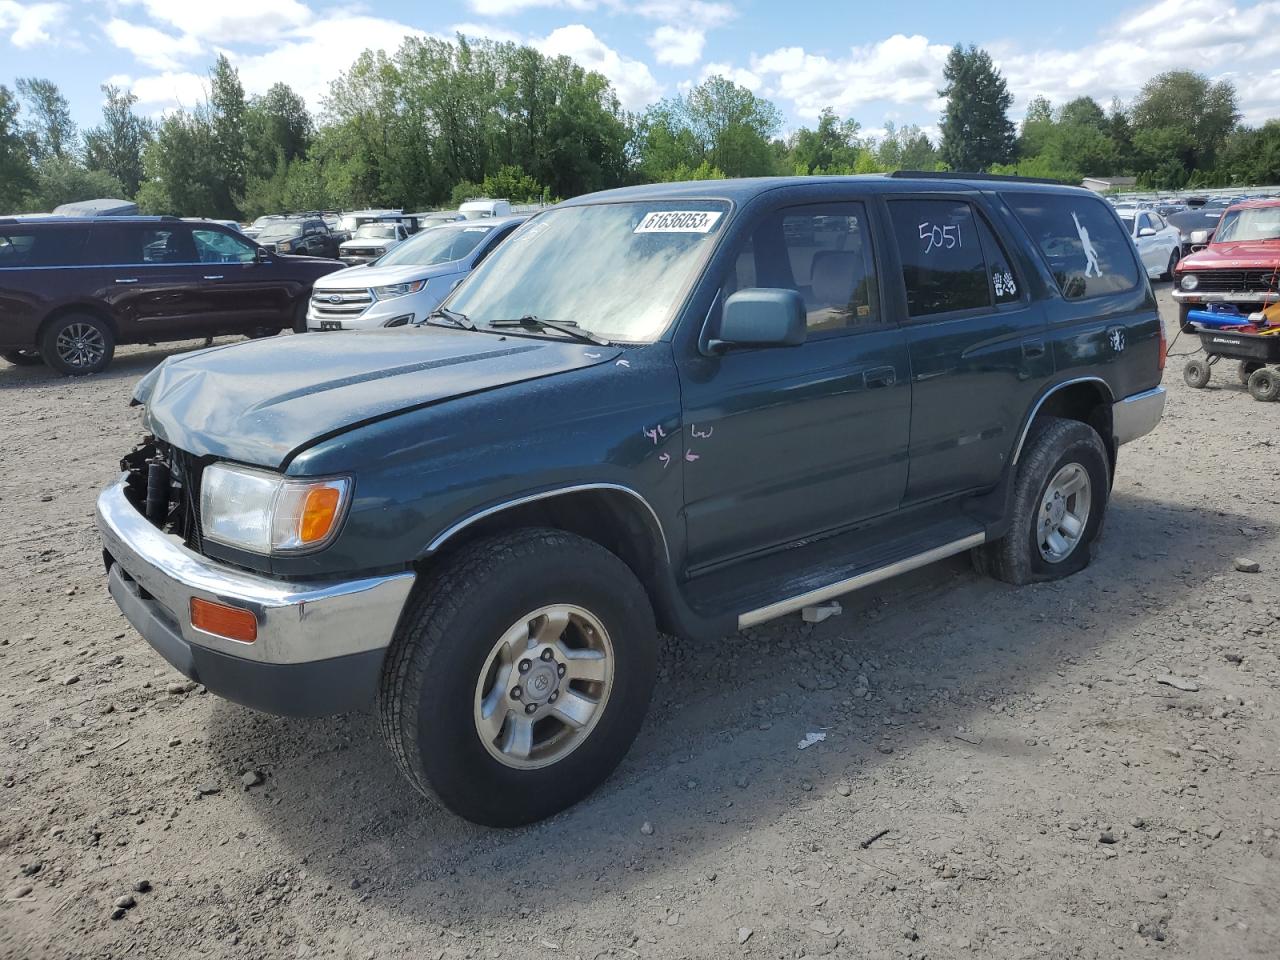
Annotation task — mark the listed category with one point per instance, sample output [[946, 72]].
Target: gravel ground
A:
[[1081, 769]]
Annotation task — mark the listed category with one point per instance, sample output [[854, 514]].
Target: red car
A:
[[1240, 267]]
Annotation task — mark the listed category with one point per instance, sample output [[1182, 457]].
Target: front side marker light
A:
[[221, 620]]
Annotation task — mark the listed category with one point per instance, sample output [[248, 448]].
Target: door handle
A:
[[1032, 349], [126, 279], [213, 276], [880, 377]]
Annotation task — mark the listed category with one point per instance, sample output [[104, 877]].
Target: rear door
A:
[[149, 278], [782, 443], [977, 341]]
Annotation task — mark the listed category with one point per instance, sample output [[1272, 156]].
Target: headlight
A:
[[393, 290], [1190, 281], [263, 512], [284, 246]]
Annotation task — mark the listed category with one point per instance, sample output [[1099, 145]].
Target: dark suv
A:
[[692, 407], [301, 236], [71, 289]]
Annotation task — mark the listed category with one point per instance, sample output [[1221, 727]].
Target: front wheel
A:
[[519, 677], [1264, 384], [1059, 503], [1173, 262], [77, 344]]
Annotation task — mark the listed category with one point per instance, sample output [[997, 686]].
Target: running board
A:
[[774, 610]]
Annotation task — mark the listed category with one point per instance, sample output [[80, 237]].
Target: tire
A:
[[1196, 373], [1183, 323], [1245, 370], [77, 344], [262, 333], [1060, 452], [300, 314], [1173, 262], [433, 695], [23, 358], [1264, 384]]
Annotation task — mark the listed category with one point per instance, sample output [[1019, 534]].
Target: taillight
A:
[[1164, 344]]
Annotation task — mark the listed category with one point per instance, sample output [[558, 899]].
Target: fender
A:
[[1026, 426]]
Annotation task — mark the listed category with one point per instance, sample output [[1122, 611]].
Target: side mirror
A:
[[262, 256], [1199, 236], [761, 317], [1146, 232]]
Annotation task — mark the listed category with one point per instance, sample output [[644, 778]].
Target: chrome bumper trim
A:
[[1137, 415], [1217, 296], [297, 622]]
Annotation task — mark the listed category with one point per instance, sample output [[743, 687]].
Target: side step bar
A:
[[782, 607]]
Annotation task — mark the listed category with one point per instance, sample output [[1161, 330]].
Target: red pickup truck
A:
[[1240, 267]]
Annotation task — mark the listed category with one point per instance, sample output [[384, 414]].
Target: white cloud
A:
[[503, 8], [29, 24], [163, 92], [678, 46], [487, 31], [632, 80], [697, 12], [739, 75], [150, 46], [231, 21]]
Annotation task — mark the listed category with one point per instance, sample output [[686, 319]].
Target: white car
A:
[[372, 240], [409, 282], [1159, 242]]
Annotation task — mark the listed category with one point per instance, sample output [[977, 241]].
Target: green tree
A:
[[512, 183], [1083, 112], [976, 130], [64, 180], [182, 174], [116, 147], [833, 143], [226, 110], [17, 176], [276, 124], [906, 148], [48, 128], [1181, 116]]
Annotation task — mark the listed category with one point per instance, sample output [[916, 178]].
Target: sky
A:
[[877, 62]]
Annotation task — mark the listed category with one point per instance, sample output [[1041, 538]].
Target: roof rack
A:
[[956, 175]]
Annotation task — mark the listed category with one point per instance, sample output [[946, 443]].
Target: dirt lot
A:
[[1004, 772]]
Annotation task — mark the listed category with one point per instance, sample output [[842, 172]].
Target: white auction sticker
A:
[[678, 221]]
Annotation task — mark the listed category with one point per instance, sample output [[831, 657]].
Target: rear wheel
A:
[[76, 344], [519, 677], [1196, 373], [300, 315], [261, 333], [1264, 383], [23, 358], [1059, 503], [1173, 262]]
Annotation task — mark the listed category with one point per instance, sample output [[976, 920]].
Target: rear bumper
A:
[[319, 647], [1137, 415]]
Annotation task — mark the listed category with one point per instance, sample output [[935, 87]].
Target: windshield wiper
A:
[[453, 316], [569, 328]]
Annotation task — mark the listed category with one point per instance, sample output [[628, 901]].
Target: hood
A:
[[261, 401], [1240, 255], [369, 241], [1198, 218], [358, 278]]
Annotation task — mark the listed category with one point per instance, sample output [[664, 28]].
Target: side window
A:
[[492, 243], [1005, 287], [214, 246], [50, 247], [824, 253], [1144, 222], [943, 266], [166, 245], [1082, 243]]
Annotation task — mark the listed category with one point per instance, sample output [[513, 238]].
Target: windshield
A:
[[376, 231], [282, 230], [618, 270], [435, 246], [1252, 223]]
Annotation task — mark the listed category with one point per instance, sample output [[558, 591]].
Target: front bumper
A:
[[1220, 296], [319, 647], [413, 307], [1136, 416]]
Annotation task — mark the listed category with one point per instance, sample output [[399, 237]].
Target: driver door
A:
[[784, 443], [241, 290]]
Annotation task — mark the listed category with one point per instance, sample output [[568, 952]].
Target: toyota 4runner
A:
[[685, 407]]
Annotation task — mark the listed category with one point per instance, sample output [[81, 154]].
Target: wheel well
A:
[[1088, 402], [617, 521], [92, 310]]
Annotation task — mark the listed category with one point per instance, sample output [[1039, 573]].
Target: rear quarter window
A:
[[40, 247], [1081, 241]]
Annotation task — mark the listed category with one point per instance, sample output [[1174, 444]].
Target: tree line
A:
[[439, 121]]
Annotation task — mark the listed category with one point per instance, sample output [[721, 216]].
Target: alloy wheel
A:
[[81, 345], [1064, 513]]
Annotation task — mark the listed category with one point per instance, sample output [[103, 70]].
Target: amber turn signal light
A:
[[319, 511], [224, 621]]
